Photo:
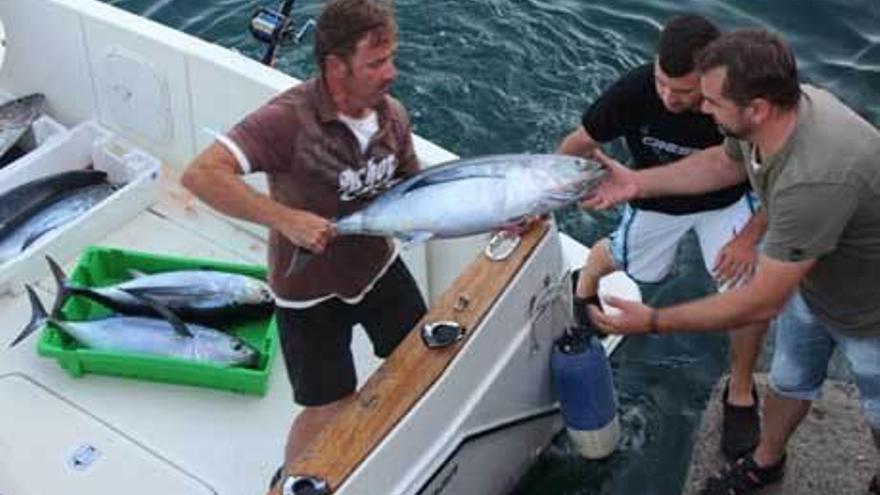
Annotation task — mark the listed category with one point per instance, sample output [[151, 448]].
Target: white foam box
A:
[[87, 144]]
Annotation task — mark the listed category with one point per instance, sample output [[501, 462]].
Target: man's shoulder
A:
[[637, 80], [395, 108], [832, 132], [295, 96], [291, 105]]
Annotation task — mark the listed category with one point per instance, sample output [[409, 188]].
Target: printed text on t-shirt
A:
[[375, 177]]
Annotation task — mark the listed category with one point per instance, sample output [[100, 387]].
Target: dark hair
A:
[[343, 23], [680, 41], [759, 65]]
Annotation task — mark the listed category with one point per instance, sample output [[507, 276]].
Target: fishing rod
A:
[[273, 26]]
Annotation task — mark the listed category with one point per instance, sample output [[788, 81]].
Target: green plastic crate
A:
[[99, 266]]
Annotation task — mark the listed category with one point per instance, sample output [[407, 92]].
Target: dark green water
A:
[[497, 76]]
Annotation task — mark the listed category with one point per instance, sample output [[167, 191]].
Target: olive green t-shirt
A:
[[822, 195]]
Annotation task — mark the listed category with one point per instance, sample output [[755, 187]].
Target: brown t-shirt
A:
[[314, 162], [822, 194]]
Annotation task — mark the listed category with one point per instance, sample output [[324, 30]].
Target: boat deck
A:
[[190, 428]]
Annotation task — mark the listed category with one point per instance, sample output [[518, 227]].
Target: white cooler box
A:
[[60, 150]]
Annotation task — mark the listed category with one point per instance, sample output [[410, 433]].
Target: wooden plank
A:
[[409, 372]]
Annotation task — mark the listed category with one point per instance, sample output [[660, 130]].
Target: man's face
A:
[[679, 94], [732, 119], [370, 71]]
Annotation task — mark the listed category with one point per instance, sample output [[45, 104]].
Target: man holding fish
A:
[[328, 146]]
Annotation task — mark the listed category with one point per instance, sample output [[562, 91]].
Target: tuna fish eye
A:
[[237, 346]]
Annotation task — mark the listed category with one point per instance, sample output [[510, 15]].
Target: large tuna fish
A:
[[163, 337], [16, 117], [61, 211], [470, 196], [201, 295], [20, 203]]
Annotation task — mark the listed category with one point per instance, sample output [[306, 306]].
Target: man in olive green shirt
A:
[[816, 166]]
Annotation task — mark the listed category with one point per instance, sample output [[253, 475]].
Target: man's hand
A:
[[619, 185], [306, 230], [630, 318], [736, 261]]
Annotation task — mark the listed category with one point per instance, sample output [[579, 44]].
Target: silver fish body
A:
[[62, 211], [168, 336], [157, 337], [202, 295], [21, 202], [471, 196], [16, 117]]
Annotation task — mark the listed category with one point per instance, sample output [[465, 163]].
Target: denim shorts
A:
[[803, 348]]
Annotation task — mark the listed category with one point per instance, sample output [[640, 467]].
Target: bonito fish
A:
[[21, 202], [61, 211], [471, 196], [16, 117], [202, 295], [168, 337]]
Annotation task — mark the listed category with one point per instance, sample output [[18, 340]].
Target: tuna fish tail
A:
[[64, 289], [38, 317]]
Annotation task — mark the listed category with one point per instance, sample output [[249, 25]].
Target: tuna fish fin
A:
[[135, 273], [34, 236], [301, 257], [176, 323], [38, 316], [62, 286], [415, 238], [442, 174]]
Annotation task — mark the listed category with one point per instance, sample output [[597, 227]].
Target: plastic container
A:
[[100, 266], [87, 144], [585, 388]]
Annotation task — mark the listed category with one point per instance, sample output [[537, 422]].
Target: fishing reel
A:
[[273, 26], [267, 25]]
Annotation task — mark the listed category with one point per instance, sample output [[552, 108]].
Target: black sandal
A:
[[740, 426], [744, 477]]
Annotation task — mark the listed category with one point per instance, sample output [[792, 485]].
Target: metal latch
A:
[[304, 485], [442, 334], [502, 245]]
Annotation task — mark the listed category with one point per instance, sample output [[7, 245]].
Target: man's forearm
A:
[[755, 227], [578, 143], [759, 300], [215, 178], [230, 195], [732, 309], [704, 171]]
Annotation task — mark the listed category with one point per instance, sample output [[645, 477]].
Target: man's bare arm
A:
[[578, 143], [215, 178], [707, 170], [757, 301]]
